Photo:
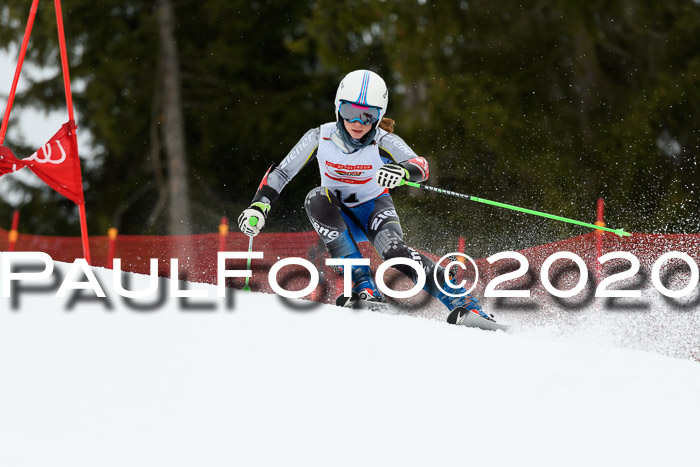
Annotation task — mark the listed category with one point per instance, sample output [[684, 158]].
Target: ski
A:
[[356, 302], [464, 317], [459, 316], [347, 302]]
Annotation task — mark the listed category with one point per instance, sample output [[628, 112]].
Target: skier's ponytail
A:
[[387, 124]]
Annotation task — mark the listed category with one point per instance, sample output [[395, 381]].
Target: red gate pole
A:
[[18, 69], [13, 231], [69, 104], [64, 59]]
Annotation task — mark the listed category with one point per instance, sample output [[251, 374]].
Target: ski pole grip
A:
[[253, 221]]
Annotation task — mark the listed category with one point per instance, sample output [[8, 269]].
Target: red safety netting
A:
[[197, 255]]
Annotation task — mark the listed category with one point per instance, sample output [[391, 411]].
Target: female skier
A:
[[360, 160]]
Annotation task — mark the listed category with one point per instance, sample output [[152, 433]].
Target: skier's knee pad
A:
[[320, 201], [323, 209], [389, 244]]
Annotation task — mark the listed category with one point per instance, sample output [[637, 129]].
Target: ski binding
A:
[[464, 317], [355, 301]]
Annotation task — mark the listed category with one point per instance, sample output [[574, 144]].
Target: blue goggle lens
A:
[[353, 112]]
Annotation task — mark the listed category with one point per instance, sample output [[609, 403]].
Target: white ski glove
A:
[[252, 219], [390, 175]]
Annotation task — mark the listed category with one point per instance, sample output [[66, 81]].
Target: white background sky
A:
[[34, 126]]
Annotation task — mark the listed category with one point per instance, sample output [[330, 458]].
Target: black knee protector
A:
[[323, 209], [389, 244]]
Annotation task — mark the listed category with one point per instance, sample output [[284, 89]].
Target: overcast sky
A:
[[35, 126]]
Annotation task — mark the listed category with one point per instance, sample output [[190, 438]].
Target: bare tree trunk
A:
[[173, 125]]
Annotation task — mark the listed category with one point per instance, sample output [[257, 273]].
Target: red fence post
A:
[[13, 231], [599, 235], [223, 233], [112, 235], [461, 247]]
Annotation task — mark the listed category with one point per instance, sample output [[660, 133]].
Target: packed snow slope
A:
[[96, 383]]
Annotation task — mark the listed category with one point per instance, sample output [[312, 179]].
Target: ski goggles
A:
[[354, 112]]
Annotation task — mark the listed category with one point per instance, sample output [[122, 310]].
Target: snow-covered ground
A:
[[265, 384]]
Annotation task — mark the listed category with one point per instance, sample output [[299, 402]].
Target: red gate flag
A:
[[56, 163]]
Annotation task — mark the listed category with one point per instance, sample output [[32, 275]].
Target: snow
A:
[[265, 384]]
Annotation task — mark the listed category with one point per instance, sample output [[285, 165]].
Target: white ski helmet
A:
[[363, 87]]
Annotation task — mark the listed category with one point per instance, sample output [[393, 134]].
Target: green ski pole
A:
[[619, 232], [252, 221]]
